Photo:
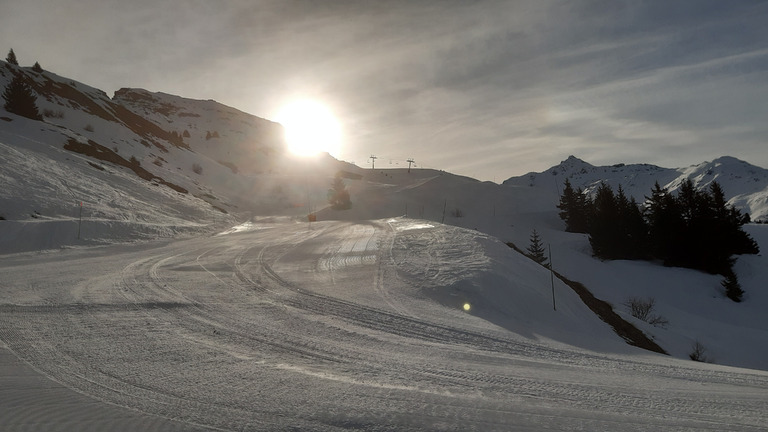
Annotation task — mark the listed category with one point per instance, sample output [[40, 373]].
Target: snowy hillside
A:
[[126, 167], [237, 140], [692, 302]]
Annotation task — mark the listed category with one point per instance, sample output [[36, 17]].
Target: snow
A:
[[166, 313], [248, 331]]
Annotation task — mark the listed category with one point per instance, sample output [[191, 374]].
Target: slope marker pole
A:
[[552, 277], [80, 223]]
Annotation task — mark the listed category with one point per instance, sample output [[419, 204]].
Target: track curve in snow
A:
[[339, 326]]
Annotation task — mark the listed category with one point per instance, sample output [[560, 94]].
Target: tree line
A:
[[695, 229]]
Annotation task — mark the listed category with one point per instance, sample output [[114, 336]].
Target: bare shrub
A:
[[642, 309], [698, 352], [53, 114], [457, 213], [658, 321], [197, 169]]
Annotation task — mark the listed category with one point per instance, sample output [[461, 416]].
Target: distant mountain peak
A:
[[573, 160]]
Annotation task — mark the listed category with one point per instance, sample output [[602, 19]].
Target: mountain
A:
[[250, 142], [140, 165], [745, 185]]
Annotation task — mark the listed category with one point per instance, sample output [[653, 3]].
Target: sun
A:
[[310, 128]]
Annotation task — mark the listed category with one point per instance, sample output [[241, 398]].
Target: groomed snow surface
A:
[[279, 325]]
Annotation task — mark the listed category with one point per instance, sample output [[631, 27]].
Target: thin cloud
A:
[[490, 88]]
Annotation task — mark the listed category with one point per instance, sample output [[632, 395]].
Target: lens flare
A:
[[467, 307]]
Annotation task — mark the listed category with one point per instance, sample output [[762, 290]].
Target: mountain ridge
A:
[[237, 162], [745, 185]]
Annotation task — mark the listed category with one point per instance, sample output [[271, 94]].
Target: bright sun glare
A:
[[310, 128]]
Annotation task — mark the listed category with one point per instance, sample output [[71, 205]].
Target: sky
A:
[[489, 89]]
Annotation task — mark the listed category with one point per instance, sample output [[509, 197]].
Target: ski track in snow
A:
[[310, 327]]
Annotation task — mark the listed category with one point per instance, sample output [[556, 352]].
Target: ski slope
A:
[[336, 325]]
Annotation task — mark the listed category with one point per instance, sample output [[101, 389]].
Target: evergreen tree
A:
[[574, 208], [12, 58], [536, 249], [584, 211], [604, 227], [632, 228], [694, 229], [691, 207], [338, 195], [732, 287], [730, 220], [37, 68], [19, 99], [664, 224]]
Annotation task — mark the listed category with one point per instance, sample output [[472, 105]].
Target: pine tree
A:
[[567, 205], [19, 99], [664, 224], [732, 287], [12, 58], [604, 228], [37, 68], [338, 195], [574, 209], [536, 249], [730, 220], [632, 228]]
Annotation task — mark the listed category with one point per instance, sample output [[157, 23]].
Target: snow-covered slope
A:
[[240, 141], [692, 302], [129, 166]]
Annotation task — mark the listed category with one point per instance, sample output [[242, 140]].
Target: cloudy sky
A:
[[489, 89]]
